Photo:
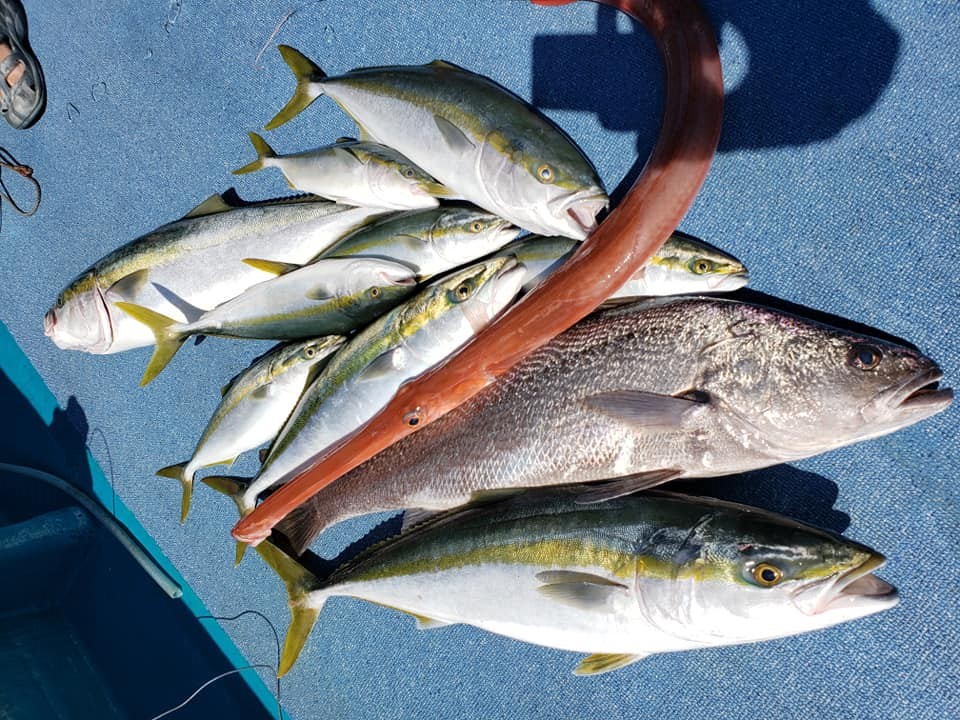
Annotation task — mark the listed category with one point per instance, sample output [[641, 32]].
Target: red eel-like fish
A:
[[624, 241]]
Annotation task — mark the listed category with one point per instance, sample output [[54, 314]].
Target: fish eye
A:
[[462, 291], [476, 226], [310, 352], [545, 173], [59, 302], [864, 357], [700, 266], [766, 575], [374, 292], [408, 172]]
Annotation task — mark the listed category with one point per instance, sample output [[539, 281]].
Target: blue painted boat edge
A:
[[25, 376]]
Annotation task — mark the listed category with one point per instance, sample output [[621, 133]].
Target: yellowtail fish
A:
[[253, 407], [327, 297], [191, 265], [363, 376], [477, 138], [619, 580], [647, 392], [354, 173], [683, 265]]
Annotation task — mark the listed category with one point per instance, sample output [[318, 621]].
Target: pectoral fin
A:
[[600, 663], [385, 364], [271, 266], [129, 286], [645, 409], [582, 591], [456, 140], [264, 392], [602, 491]]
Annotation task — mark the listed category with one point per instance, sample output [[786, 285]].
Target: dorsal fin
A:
[[214, 204], [340, 140], [444, 64]]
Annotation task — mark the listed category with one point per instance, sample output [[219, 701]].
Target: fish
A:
[[618, 581], [683, 265], [478, 139], [430, 241], [363, 376], [353, 173], [253, 407], [191, 264], [327, 297], [642, 394]]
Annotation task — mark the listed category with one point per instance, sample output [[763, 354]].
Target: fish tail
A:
[[233, 487], [168, 339], [303, 598], [179, 472], [309, 76], [264, 152]]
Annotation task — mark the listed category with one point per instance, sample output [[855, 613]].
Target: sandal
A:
[[23, 94]]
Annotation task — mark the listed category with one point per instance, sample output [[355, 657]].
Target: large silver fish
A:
[[683, 265], [478, 139], [620, 580], [253, 407], [327, 297], [190, 264], [363, 376], [353, 173], [670, 387]]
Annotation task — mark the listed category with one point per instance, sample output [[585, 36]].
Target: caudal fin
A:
[[233, 487], [308, 76], [168, 340], [303, 598], [179, 472], [264, 151]]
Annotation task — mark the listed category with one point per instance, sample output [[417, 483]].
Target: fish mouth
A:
[[49, 322], [582, 209], [728, 283], [922, 393], [856, 591], [507, 233]]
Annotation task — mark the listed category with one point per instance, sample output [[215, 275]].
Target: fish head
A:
[[372, 286], [461, 235], [744, 575], [547, 188], [795, 387], [686, 265], [306, 352], [79, 319], [400, 184]]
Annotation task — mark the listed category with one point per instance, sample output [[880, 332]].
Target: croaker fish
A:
[[326, 297], [619, 580], [363, 376], [683, 265], [429, 241], [253, 407], [353, 173], [191, 265], [651, 391], [477, 138]]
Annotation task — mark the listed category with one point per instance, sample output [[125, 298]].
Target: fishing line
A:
[[207, 684], [7, 160], [276, 30], [110, 475]]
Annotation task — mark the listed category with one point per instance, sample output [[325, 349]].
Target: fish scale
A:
[[656, 389]]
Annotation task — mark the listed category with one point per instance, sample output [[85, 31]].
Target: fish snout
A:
[[49, 322]]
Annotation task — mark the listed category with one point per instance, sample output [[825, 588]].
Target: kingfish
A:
[[353, 173], [363, 376], [683, 265], [253, 407], [429, 241], [619, 580], [331, 296], [647, 392], [477, 138], [190, 264]]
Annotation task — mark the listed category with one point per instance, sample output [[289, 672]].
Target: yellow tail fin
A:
[[233, 487], [304, 609], [264, 151], [168, 341], [308, 89], [178, 472]]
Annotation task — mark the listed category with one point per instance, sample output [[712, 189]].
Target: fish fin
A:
[[319, 294], [582, 591], [354, 153], [341, 140], [190, 311], [263, 392], [168, 341], [643, 408], [129, 286], [454, 136], [384, 364], [264, 152], [263, 454], [300, 583], [600, 663], [274, 267], [302, 525], [429, 623], [415, 516], [308, 75], [439, 190], [211, 206], [603, 491], [443, 64], [178, 472], [197, 339], [233, 487]]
